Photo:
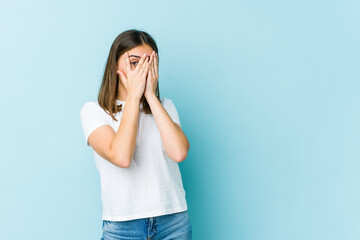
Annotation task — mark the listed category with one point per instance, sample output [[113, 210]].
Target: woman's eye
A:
[[133, 63]]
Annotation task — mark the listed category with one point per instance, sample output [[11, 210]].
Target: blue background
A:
[[267, 93]]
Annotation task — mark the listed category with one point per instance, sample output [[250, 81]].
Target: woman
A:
[[137, 143]]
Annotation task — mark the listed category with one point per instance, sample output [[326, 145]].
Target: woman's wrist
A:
[[130, 98], [150, 96]]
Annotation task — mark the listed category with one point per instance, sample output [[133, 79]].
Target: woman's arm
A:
[[124, 141], [119, 147], [175, 142]]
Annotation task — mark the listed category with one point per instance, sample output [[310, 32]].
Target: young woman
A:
[[137, 143]]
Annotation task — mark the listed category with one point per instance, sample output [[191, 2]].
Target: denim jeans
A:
[[165, 227]]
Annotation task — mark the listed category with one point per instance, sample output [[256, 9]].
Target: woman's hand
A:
[[135, 81], [153, 76]]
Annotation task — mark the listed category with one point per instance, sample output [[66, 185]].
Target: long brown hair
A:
[[109, 87]]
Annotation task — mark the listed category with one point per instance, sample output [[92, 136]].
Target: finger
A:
[[152, 57], [156, 64], [152, 68], [148, 76], [140, 63], [127, 62], [122, 76], [151, 71], [151, 61], [145, 69]]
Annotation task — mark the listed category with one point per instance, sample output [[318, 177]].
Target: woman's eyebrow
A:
[[134, 56]]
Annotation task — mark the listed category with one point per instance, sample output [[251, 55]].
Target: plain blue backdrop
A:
[[267, 93]]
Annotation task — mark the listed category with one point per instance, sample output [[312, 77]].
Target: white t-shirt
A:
[[152, 184]]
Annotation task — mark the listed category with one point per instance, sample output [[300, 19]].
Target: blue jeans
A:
[[171, 226]]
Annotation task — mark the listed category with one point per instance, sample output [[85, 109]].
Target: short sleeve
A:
[[92, 116], [172, 111]]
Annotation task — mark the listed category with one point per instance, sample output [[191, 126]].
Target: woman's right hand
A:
[[135, 81]]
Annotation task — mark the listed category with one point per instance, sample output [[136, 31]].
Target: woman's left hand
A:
[[152, 77]]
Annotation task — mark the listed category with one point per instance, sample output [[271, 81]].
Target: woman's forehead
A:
[[139, 51]]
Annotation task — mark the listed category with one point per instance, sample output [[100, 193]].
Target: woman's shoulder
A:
[[165, 101], [91, 107]]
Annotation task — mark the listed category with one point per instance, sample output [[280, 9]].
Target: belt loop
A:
[[151, 220]]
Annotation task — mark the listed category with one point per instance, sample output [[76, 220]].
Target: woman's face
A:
[[134, 56]]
